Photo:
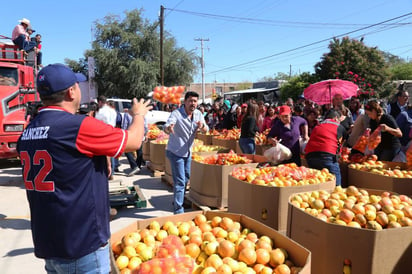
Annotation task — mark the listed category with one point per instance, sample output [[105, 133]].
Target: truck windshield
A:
[[8, 77]]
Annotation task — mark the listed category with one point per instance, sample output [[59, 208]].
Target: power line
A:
[[273, 22], [310, 44], [172, 9]]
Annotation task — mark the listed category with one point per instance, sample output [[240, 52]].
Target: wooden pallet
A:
[[197, 205], [158, 171]]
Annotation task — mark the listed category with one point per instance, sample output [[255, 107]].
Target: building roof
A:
[[251, 90]]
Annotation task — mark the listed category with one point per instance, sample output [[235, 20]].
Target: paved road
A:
[[16, 246]]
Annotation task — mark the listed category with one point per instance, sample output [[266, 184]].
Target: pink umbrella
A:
[[322, 92]]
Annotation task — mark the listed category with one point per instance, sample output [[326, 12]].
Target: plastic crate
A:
[[134, 197]]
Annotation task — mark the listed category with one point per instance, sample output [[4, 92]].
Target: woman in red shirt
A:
[[269, 118]]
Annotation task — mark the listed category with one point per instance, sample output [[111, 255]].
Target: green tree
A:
[[244, 85], [127, 57], [350, 59], [277, 76], [296, 84], [402, 71]]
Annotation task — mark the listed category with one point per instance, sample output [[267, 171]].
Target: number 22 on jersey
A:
[[43, 159]]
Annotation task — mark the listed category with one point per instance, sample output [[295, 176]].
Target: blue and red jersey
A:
[[65, 174]]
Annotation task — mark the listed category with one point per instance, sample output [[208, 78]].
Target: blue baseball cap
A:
[[57, 77]]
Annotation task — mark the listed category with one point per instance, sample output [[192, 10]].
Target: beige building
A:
[[220, 88]]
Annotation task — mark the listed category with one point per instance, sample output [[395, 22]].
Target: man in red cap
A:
[[289, 128]]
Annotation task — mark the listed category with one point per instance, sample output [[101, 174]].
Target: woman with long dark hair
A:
[[249, 129], [390, 144]]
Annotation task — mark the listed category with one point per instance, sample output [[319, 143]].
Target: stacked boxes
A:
[[267, 204]]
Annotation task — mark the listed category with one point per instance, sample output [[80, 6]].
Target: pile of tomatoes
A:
[[231, 134], [168, 95], [282, 175], [222, 159]]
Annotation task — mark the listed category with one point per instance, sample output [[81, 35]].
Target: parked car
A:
[[157, 117]]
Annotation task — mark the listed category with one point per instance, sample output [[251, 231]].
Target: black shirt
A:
[[249, 127], [388, 140]]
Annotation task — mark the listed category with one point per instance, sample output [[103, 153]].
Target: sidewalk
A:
[[16, 248]]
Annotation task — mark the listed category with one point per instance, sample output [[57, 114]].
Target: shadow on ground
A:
[[14, 223], [20, 251]]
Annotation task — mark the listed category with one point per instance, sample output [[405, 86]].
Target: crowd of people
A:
[[71, 153], [319, 131]]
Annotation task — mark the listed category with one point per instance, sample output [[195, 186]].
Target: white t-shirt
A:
[[107, 114]]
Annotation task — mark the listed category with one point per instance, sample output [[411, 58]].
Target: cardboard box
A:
[[158, 155], [370, 180], [370, 251], [231, 144], [206, 138], [146, 150], [297, 254], [208, 153], [266, 204], [260, 149], [209, 183]]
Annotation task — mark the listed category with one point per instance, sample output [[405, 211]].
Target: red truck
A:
[[18, 95]]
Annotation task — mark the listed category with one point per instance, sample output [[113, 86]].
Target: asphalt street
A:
[[16, 248]]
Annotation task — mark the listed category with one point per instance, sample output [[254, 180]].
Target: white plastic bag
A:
[[278, 154]]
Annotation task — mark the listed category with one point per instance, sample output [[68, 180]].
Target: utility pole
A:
[[203, 67], [161, 19]]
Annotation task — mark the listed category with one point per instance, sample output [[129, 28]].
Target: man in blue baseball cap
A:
[[65, 170]]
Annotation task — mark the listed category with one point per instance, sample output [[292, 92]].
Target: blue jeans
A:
[[325, 161], [181, 175], [97, 262], [22, 43], [131, 160], [247, 145]]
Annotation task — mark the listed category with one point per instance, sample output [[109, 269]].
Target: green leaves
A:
[[127, 56]]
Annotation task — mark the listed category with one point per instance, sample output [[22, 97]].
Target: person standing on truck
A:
[[182, 126], [37, 40], [65, 173], [20, 35]]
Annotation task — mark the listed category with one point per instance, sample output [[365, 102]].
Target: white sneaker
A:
[[133, 172]]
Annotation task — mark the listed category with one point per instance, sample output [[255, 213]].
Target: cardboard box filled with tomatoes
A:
[[263, 193], [205, 242], [208, 136], [227, 138], [209, 180], [353, 230], [373, 174]]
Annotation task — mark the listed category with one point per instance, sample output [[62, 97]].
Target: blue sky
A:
[[264, 30]]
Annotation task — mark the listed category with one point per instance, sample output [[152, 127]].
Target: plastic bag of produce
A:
[[362, 141], [409, 155], [278, 153], [168, 95], [374, 139]]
